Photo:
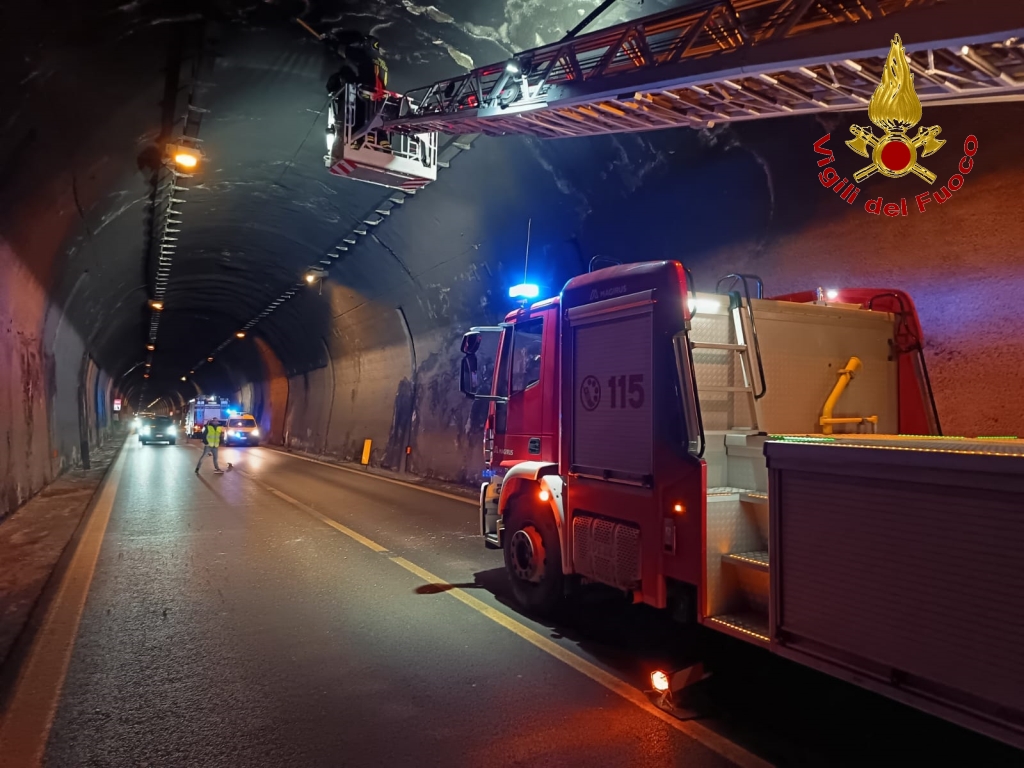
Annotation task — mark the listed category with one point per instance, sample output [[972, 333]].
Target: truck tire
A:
[[533, 558]]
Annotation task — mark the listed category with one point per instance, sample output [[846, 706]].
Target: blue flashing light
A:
[[524, 291]]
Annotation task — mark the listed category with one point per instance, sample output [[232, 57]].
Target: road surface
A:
[[295, 613]]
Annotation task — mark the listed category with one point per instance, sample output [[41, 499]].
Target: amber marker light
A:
[[659, 681], [544, 495]]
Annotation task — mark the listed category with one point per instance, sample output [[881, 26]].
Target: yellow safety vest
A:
[[213, 434]]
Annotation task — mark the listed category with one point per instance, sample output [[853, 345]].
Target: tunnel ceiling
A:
[[94, 90]]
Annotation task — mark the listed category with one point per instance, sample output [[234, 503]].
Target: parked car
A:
[[158, 429]]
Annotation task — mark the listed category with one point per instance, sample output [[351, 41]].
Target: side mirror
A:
[[471, 343], [469, 381]]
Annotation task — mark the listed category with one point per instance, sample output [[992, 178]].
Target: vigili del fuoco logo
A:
[[895, 109]]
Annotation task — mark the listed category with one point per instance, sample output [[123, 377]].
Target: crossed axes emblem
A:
[[927, 140]]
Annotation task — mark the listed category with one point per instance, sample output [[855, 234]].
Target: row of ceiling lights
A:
[[181, 159], [315, 275]]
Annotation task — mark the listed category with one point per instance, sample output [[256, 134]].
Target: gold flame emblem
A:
[[895, 108]]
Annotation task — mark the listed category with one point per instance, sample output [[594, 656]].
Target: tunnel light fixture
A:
[[150, 347], [312, 275], [191, 371], [156, 305], [240, 335], [185, 158], [145, 375], [183, 378], [209, 359], [148, 365]]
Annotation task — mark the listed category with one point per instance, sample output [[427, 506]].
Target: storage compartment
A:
[[897, 565]]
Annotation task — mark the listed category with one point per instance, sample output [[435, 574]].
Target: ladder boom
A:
[[730, 60]]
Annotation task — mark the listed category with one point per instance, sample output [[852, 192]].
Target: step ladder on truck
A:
[[773, 468], [359, 148]]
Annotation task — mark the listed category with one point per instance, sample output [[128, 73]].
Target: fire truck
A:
[[203, 409], [773, 468]]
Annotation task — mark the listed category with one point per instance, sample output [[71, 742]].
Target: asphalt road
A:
[[296, 614]]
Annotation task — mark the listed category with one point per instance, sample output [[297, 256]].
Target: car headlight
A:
[[173, 430], [232, 433], [255, 433], [145, 430]]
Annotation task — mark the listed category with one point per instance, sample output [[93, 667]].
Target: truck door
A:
[[527, 436]]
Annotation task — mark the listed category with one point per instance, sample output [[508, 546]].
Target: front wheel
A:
[[533, 558], [172, 442]]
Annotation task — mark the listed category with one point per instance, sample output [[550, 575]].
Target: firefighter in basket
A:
[[363, 65]]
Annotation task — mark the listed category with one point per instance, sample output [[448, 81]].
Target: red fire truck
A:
[[664, 442]]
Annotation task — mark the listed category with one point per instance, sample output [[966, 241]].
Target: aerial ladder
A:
[[720, 61]]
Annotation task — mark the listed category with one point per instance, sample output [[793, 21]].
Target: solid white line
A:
[[414, 486]]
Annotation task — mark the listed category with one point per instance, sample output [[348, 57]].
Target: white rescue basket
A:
[[394, 160]]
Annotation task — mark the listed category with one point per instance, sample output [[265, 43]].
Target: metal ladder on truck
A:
[[730, 380], [722, 335]]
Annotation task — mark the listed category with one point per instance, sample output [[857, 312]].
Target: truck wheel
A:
[[533, 558]]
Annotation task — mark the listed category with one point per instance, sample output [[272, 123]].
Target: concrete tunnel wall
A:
[[54, 400], [750, 201]]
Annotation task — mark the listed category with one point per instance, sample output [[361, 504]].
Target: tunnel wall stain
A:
[[41, 411]]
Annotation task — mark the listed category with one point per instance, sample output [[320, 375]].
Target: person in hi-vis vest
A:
[[212, 434]]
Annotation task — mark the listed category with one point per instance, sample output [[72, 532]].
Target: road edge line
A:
[[35, 695], [415, 486]]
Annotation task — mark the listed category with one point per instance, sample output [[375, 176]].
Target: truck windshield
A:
[[526, 354]]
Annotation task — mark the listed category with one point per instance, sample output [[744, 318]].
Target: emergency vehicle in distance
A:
[[773, 468], [202, 409]]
